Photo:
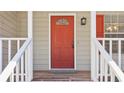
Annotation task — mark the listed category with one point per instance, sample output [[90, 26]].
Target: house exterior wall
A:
[[41, 40], [14, 24], [8, 24], [41, 37], [8, 28], [22, 24]]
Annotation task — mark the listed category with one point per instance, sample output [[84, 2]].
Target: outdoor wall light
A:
[[83, 21]]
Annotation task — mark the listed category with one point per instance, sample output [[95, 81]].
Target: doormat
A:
[[64, 72]]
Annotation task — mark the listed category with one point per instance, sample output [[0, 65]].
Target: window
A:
[[114, 28], [62, 21]]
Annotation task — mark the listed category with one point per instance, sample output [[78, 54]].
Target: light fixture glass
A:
[[83, 21]]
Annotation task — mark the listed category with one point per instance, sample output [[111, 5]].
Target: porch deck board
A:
[[53, 76]]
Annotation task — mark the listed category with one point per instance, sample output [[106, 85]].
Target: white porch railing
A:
[[19, 67], [106, 69], [115, 47]]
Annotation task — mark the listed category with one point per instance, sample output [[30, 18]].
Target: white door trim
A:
[[62, 14]]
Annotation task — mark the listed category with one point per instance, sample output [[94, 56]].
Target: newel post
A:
[[30, 49], [93, 35]]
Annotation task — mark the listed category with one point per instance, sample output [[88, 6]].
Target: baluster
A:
[[102, 63], [9, 55], [119, 53], [110, 52], [101, 68], [103, 43], [22, 68], [110, 48], [12, 76], [9, 50], [112, 75], [17, 66], [26, 65], [111, 72], [97, 64], [106, 71]]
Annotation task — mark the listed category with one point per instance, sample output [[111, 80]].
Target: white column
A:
[[30, 35], [93, 35], [30, 15], [1, 56]]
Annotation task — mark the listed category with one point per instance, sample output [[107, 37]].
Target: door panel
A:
[[62, 40], [99, 26]]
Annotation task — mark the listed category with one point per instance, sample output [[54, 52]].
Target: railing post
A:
[[1, 56], [93, 36]]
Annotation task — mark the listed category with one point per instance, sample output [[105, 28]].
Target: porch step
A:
[[61, 76]]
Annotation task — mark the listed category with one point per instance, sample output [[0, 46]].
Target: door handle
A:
[[72, 44]]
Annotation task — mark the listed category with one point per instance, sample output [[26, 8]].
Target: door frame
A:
[[62, 14]]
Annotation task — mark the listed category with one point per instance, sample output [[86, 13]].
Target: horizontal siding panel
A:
[[83, 61], [41, 43], [41, 67], [22, 24], [41, 62], [42, 52], [83, 67], [41, 37]]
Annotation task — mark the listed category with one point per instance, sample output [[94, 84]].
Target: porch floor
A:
[[61, 76]]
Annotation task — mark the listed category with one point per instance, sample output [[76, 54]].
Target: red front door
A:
[[100, 26], [62, 42]]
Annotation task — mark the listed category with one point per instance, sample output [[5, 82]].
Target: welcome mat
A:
[[63, 72]]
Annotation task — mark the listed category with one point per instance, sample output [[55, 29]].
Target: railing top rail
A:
[[117, 71], [7, 71], [110, 38], [13, 38]]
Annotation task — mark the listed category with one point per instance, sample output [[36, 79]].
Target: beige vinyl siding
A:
[[8, 23], [22, 24], [8, 28], [83, 42], [41, 40]]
